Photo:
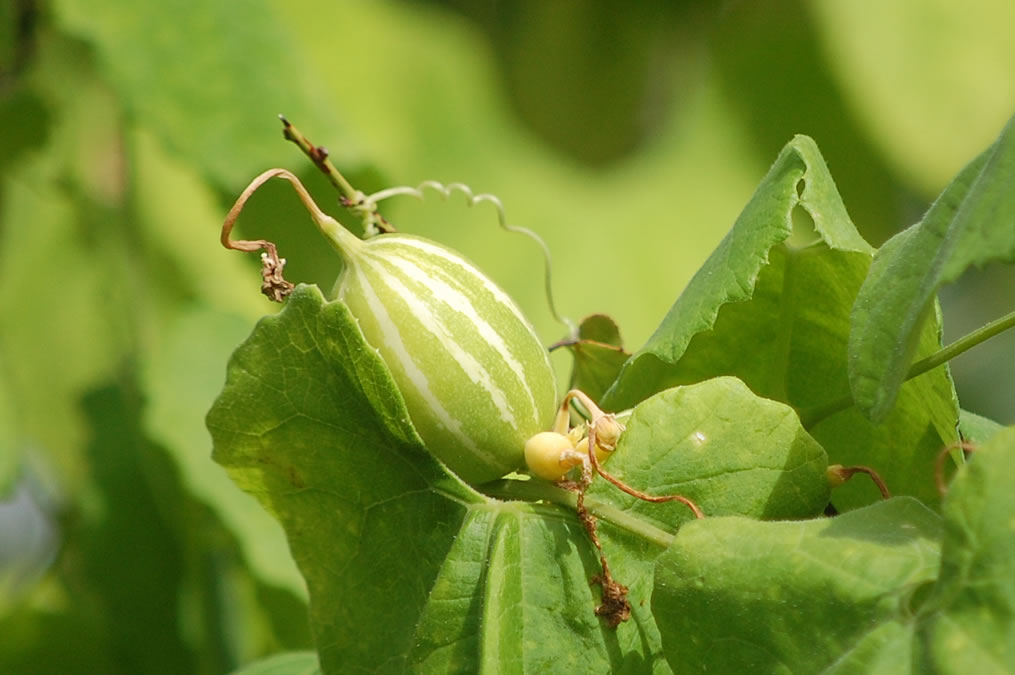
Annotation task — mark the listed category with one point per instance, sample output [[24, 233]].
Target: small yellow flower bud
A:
[[543, 455]]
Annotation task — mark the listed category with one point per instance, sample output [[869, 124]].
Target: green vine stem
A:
[[809, 418], [537, 490]]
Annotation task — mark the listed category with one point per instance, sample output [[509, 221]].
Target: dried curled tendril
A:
[[602, 434]]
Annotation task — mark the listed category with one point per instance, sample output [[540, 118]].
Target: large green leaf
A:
[[62, 259], [773, 308], [735, 595], [208, 78], [405, 565], [914, 70], [200, 307], [724, 448], [863, 592], [969, 625], [971, 223], [758, 242]]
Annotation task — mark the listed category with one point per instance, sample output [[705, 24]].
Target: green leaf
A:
[[162, 77], [729, 451], [598, 355], [970, 626], [514, 594], [734, 274], [735, 595], [914, 71], [202, 304], [971, 223], [60, 263], [777, 314], [976, 428], [600, 328], [310, 424], [405, 565], [289, 663], [183, 377]]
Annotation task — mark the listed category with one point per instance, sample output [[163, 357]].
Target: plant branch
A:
[[537, 490], [319, 156], [809, 418], [964, 343], [352, 199]]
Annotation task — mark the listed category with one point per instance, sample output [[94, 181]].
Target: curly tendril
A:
[[366, 208]]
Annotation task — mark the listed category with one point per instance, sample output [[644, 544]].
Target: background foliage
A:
[[629, 141]]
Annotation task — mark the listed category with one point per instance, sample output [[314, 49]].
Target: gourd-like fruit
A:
[[474, 376], [475, 379]]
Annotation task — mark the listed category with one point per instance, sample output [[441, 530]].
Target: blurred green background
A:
[[628, 136]]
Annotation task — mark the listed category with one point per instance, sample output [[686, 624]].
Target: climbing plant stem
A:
[[809, 418]]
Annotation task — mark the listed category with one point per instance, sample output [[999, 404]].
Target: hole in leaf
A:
[[803, 233]]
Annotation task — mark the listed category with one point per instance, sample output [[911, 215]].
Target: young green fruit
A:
[[475, 379], [474, 376]]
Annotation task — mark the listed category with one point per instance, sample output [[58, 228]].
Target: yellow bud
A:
[[543, 455]]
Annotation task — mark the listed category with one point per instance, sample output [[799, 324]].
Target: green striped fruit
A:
[[475, 378]]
